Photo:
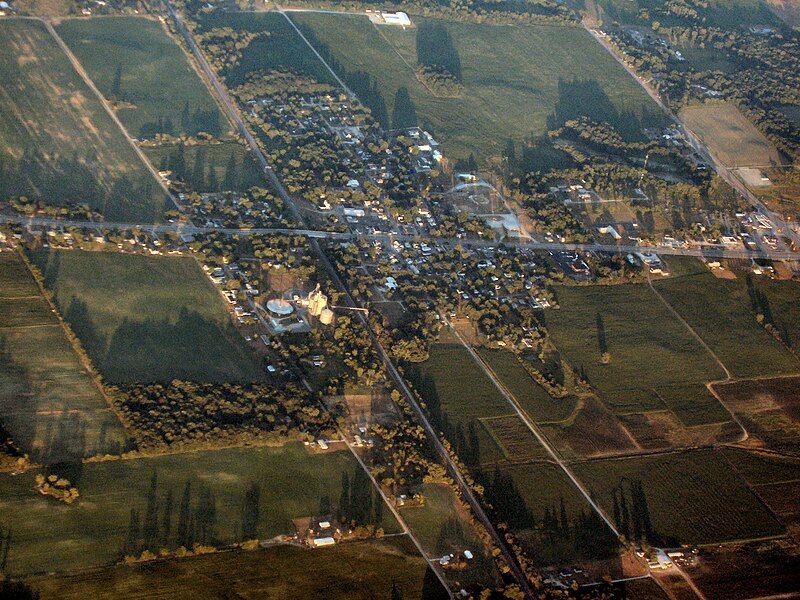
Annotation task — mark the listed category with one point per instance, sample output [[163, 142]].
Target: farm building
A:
[[396, 18]]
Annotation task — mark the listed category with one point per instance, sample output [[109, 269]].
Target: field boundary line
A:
[[77, 349], [709, 384], [403, 58], [751, 487], [78, 67], [532, 427]]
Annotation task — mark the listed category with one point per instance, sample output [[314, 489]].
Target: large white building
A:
[[396, 18]]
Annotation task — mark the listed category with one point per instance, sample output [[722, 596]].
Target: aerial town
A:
[[407, 300]]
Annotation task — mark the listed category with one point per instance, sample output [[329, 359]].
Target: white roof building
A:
[[396, 18]]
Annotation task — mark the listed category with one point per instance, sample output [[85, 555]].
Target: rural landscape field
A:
[[489, 300]]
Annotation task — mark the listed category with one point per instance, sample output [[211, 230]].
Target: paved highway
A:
[[707, 251]]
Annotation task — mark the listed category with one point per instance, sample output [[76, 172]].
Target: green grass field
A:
[[544, 489], [135, 63], [534, 399], [57, 143], [518, 81], [655, 362], [693, 497], [441, 527], [282, 48], [147, 318], [52, 536], [454, 387], [721, 312], [278, 572], [48, 403], [217, 157]]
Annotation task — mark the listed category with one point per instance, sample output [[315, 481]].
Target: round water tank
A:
[[280, 307]]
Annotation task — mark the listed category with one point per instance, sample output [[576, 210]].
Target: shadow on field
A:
[[150, 350], [585, 98]]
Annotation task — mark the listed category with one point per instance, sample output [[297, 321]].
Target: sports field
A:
[[147, 318], [137, 65], [518, 81], [693, 497], [722, 312], [289, 482], [57, 143], [48, 402], [653, 361], [278, 572], [730, 136]]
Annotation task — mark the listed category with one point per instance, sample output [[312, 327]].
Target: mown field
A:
[[518, 81], [138, 66], [723, 313], [57, 143], [458, 394], [224, 167], [147, 318], [278, 572], [48, 402], [730, 136], [289, 482], [694, 497], [653, 360]]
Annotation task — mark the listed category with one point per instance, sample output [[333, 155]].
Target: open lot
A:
[[139, 68], [692, 497], [652, 359], [722, 313], [147, 318], [57, 143], [729, 135], [358, 571], [769, 409], [290, 483], [458, 395], [506, 93], [48, 402]]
